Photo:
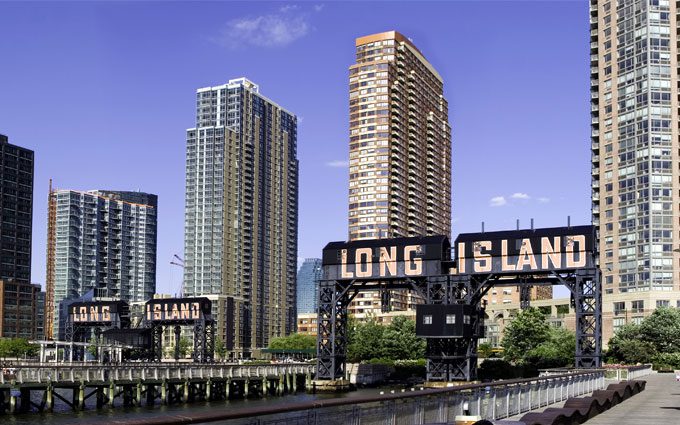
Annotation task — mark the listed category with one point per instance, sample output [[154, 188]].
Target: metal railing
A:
[[493, 401], [628, 373], [90, 373]]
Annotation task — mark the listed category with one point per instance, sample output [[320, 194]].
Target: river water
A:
[[63, 415]]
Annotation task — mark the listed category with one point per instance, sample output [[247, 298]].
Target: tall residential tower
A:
[[99, 240], [400, 142], [399, 151], [635, 155], [240, 238]]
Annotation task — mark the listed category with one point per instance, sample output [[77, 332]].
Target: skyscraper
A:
[[400, 142], [17, 295], [241, 212], [308, 285], [102, 240], [400, 150], [635, 162], [16, 220]]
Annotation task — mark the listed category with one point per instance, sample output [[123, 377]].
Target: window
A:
[[450, 319], [466, 319], [427, 319], [663, 303], [617, 323], [619, 307], [638, 306]]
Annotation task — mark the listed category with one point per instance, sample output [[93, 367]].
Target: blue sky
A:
[[104, 91]]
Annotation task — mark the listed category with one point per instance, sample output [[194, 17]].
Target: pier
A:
[[133, 384]]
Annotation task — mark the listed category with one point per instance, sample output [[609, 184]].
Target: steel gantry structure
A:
[[452, 317]]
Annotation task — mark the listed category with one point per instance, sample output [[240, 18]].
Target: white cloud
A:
[[318, 7], [338, 163], [543, 200], [273, 30], [497, 201], [520, 195], [288, 8]]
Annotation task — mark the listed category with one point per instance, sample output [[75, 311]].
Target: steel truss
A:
[[455, 359], [204, 340], [81, 333]]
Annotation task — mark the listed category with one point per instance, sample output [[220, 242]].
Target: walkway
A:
[[659, 403]]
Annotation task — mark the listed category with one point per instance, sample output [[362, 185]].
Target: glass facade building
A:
[[635, 159], [99, 240], [308, 285], [241, 212]]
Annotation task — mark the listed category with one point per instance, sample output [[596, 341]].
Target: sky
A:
[[103, 92]]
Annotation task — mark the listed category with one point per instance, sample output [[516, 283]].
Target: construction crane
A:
[[179, 263]]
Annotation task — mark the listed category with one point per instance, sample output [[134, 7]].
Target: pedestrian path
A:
[[659, 403]]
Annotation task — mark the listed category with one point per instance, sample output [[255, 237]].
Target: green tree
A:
[[557, 351], [399, 340], [92, 348], [662, 330], [294, 341], [220, 348], [526, 332], [632, 351], [17, 348], [485, 350], [656, 339], [365, 342], [185, 347]]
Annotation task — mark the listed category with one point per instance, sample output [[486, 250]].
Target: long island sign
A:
[[513, 252], [385, 259]]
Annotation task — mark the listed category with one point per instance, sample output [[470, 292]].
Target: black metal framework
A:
[[204, 339], [455, 358]]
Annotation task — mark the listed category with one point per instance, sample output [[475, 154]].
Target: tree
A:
[[527, 331], [365, 342], [396, 341], [220, 348], [557, 351], [485, 350], [185, 347], [655, 339], [662, 330], [92, 348], [294, 341], [399, 340], [17, 348], [631, 351]]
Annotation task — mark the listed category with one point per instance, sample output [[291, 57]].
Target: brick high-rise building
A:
[[399, 150], [400, 142]]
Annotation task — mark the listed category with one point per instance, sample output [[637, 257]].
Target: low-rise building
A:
[[18, 309]]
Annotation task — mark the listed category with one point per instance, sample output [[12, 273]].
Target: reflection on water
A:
[[63, 415]]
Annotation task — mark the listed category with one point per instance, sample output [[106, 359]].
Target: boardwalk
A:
[[659, 403]]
